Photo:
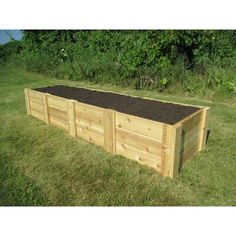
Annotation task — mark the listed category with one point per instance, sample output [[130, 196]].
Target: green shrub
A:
[[193, 61], [9, 50]]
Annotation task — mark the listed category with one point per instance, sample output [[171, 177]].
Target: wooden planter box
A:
[[158, 145]]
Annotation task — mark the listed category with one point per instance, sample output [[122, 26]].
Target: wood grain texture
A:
[[45, 108], [36, 100], [191, 136], [71, 117], [57, 102], [90, 136], [35, 94], [109, 131], [60, 123], [63, 115], [158, 145], [36, 105], [36, 113], [203, 128], [139, 125], [139, 156], [89, 114], [89, 125], [172, 150], [27, 101], [142, 143]]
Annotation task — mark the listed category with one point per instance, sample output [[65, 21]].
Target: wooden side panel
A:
[[37, 114], [35, 94], [35, 100], [160, 146], [58, 123], [36, 104], [139, 156], [89, 123], [139, 139], [141, 142], [139, 125], [193, 132], [90, 136], [109, 131], [58, 111], [89, 116], [57, 102], [192, 122]]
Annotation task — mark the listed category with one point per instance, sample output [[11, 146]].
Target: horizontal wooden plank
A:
[[189, 152], [85, 106], [109, 117], [36, 106], [55, 121], [203, 128], [191, 137], [191, 133], [139, 125], [192, 122], [137, 155], [40, 111], [88, 115], [38, 114], [36, 100], [90, 136], [141, 142], [90, 121], [85, 112], [90, 125], [58, 113], [57, 102], [35, 94]]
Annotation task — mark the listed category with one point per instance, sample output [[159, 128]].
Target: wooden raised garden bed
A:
[[161, 135]]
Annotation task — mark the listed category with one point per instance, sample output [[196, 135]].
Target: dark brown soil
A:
[[154, 110]]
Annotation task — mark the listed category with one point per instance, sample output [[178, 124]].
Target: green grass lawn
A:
[[43, 165]]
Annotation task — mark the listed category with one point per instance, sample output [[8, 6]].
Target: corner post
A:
[[27, 101], [172, 140], [45, 108], [71, 118], [109, 131], [203, 128]]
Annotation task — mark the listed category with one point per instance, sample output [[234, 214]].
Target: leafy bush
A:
[[155, 59], [8, 50]]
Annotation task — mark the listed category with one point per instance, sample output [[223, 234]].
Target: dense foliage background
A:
[[202, 61]]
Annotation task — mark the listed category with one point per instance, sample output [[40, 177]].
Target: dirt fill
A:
[[150, 109]]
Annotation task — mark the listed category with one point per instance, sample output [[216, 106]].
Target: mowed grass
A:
[[43, 165]]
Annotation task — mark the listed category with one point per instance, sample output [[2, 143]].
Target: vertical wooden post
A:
[[109, 131], [171, 150], [164, 148], [203, 128], [45, 108], [71, 118], [27, 101]]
